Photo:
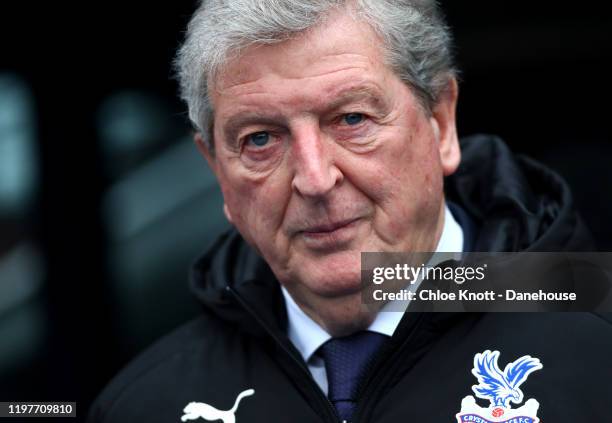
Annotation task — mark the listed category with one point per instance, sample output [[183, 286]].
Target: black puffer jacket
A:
[[239, 341]]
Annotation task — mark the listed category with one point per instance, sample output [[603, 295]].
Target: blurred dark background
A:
[[104, 200]]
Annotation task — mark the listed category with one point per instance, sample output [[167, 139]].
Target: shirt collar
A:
[[308, 336]]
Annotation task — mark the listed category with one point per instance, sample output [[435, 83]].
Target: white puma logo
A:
[[195, 410]]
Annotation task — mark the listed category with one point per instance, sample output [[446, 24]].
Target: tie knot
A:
[[347, 360]]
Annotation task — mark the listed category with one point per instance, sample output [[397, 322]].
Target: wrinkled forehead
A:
[[340, 37]]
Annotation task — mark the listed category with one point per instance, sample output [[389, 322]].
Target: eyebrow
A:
[[368, 93]]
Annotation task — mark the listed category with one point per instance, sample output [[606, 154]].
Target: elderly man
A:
[[330, 126]]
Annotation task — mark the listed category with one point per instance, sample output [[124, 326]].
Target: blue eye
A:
[[259, 138], [353, 118]]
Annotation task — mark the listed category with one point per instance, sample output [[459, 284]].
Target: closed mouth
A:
[[329, 227]]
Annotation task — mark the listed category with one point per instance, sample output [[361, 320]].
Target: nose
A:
[[315, 170]]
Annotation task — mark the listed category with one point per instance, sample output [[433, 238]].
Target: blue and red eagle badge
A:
[[501, 389]]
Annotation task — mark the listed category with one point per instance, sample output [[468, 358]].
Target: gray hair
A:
[[418, 44]]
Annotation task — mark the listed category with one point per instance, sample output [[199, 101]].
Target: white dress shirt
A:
[[308, 336]]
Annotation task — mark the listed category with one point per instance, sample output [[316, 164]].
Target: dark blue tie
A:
[[347, 360]]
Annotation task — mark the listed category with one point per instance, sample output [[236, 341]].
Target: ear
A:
[[212, 163], [227, 213], [445, 129], [205, 151]]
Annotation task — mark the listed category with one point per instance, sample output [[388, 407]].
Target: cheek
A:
[[404, 179], [419, 182], [257, 207], [410, 166]]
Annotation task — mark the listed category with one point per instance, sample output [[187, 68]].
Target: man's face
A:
[[322, 153]]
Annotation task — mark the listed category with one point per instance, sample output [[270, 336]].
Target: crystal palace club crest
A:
[[501, 389]]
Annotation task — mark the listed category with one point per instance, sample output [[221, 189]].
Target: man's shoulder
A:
[[579, 324], [169, 358], [565, 335]]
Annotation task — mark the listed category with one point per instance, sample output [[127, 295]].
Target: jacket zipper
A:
[[330, 411]]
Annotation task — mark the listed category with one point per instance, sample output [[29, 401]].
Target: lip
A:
[[331, 236], [328, 228]]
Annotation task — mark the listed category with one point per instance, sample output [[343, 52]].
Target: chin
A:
[[347, 317], [329, 289], [333, 276]]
